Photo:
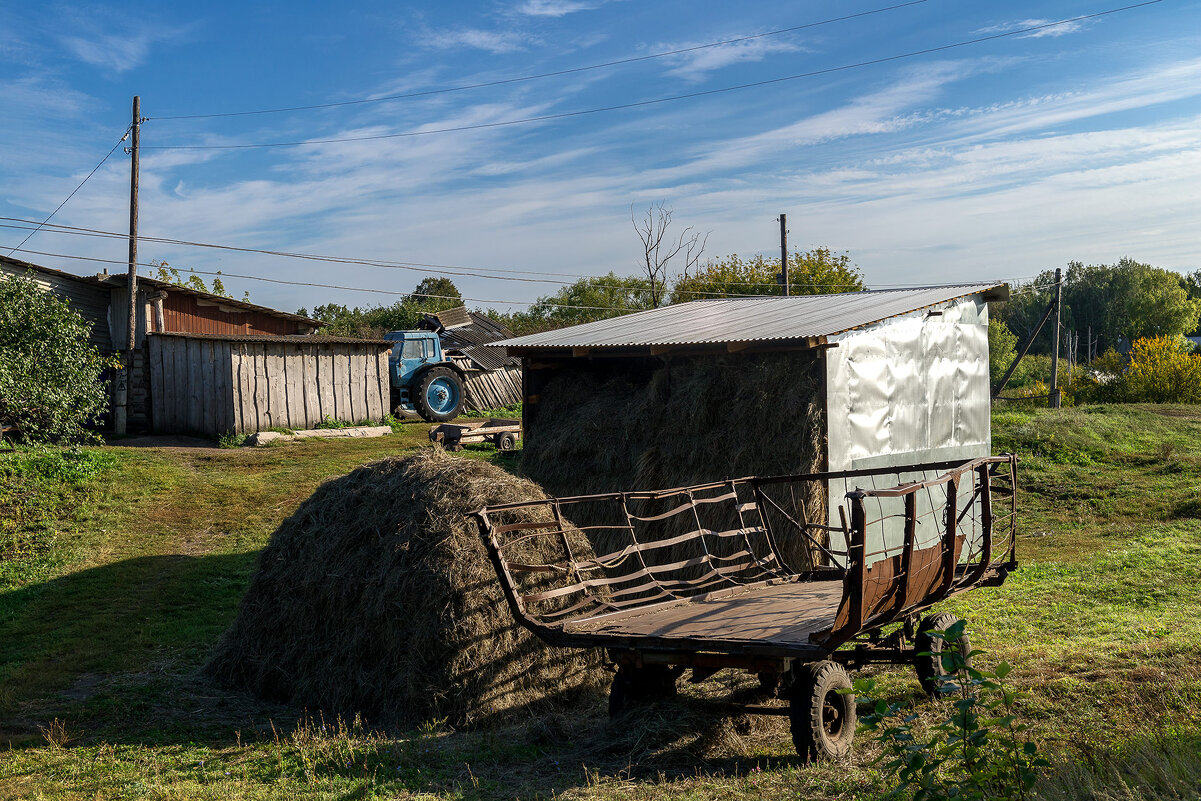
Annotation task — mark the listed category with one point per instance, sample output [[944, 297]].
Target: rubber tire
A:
[[420, 404], [822, 720], [505, 441], [636, 687], [930, 671]]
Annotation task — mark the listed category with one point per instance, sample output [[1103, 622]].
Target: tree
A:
[[169, 275], [435, 289], [1002, 349], [814, 272], [50, 385], [584, 301], [658, 248]]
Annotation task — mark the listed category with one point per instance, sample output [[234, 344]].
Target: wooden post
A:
[[121, 399], [1053, 398], [784, 252]]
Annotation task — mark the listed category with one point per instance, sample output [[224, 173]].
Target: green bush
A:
[[50, 386], [975, 751]]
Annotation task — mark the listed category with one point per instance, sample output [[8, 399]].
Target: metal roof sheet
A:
[[755, 319]]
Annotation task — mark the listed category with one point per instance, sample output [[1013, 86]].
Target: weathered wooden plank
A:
[[262, 418], [341, 383], [385, 381], [222, 389], [208, 391], [277, 398], [326, 381], [156, 383], [312, 399], [358, 384], [249, 413], [195, 386], [294, 399]]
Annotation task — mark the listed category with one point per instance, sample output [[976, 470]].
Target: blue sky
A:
[[995, 160]]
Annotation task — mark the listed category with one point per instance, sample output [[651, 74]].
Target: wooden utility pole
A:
[[121, 404], [784, 253], [1053, 398]]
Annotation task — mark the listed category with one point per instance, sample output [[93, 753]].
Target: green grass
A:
[[142, 555]]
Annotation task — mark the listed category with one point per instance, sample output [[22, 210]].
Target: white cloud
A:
[[698, 63], [117, 51], [554, 8], [1045, 28], [495, 42]]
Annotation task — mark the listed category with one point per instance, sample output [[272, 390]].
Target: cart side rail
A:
[[956, 531]]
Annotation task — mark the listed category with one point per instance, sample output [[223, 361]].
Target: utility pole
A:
[[1053, 397], [784, 253], [121, 410]]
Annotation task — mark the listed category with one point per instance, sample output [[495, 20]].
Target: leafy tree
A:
[[431, 295], [584, 301], [814, 272], [1002, 349], [169, 275], [50, 385]]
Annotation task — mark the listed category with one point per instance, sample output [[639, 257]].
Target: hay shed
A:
[[717, 389]]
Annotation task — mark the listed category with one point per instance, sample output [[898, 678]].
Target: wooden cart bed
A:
[[702, 568]]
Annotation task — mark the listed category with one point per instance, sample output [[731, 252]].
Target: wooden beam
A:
[[734, 347], [659, 350], [580, 352]]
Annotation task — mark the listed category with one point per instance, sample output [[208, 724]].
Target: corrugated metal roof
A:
[[473, 335], [277, 339], [121, 278], [758, 319]]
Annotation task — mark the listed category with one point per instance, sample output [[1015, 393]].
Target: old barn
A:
[[717, 389]]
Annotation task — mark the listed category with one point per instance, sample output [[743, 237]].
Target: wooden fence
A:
[[215, 385], [489, 389]]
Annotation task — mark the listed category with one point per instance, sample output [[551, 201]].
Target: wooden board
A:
[[775, 615]]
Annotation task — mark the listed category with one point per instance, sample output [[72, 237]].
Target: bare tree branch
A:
[[658, 249]]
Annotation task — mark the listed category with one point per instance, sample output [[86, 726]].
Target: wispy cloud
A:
[[555, 8], [115, 51], [495, 42], [1051, 31], [696, 65]]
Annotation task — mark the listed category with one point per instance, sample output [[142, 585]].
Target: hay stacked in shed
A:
[[604, 425], [377, 597]]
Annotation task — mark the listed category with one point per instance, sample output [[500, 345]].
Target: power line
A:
[[523, 78], [414, 266], [392, 292], [656, 101], [57, 208]]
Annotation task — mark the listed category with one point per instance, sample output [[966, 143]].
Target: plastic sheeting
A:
[[908, 390]]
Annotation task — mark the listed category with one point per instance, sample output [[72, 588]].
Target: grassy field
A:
[[121, 566]]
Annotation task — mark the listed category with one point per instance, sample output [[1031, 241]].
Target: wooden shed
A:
[[212, 384]]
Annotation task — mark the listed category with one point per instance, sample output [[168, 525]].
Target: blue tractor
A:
[[424, 380]]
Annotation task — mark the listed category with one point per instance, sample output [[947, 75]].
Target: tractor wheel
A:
[[930, 669], [439, 395], [823, 719], [505, 441]]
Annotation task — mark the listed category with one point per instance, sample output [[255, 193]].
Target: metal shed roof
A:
[[751, 320]]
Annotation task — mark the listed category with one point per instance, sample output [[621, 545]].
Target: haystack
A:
[[605, 425], [377, 597]]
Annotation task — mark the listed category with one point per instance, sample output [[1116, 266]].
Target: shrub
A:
[[975, 752], [50, 386], [1162, 370]]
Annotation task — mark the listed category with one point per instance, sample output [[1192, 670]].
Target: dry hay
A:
[[613, 425], [377, 597]]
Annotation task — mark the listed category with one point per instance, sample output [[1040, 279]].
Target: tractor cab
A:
[[424, 380]]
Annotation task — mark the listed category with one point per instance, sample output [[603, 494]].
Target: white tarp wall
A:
[[907, 390]]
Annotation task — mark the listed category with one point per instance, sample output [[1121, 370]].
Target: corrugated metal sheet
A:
[[759, 319], [472, 335]]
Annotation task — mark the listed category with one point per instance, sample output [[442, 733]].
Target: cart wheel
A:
[[930, 670], [505, 441], [823, 720], [635, 687]]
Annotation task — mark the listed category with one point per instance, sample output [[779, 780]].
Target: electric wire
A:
[[87, 177], [412, 266], [659, 100], [523, 78]]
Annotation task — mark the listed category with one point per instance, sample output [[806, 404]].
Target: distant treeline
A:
[[813, 272]]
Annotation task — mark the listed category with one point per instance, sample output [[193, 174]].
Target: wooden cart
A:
[[699, 578], [501, 433]]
